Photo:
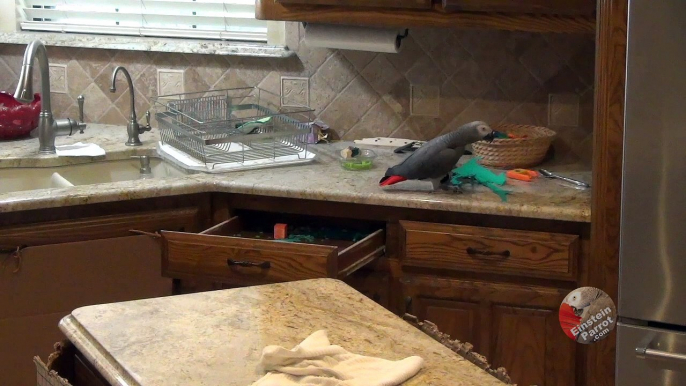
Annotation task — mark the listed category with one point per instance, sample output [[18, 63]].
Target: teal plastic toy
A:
[[472, 170]]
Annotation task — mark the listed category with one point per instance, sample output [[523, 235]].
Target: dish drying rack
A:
[[232, 129]]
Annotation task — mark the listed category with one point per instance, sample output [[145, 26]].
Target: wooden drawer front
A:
[[425, 4], [213, 255], [554, 7], [524, 253], [100, 227]]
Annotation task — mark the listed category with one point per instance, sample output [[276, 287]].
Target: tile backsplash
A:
[[441, 79]]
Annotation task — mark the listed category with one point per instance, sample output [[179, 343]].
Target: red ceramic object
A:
[[17, 119]]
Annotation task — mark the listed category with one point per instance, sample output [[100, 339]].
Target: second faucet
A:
[[133, 128]]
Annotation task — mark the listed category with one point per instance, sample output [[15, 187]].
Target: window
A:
[[199, 19]]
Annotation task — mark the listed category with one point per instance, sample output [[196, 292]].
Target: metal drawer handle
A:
[[263, 265], [473, 251], [659, 354]]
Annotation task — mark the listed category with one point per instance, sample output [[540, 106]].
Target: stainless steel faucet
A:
[[48, 126], [133, 128]]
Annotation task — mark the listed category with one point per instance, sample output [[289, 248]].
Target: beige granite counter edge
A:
[[106, 365], [103, 193]]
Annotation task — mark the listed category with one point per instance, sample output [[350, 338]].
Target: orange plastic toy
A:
[[522, 174], [280, 231]]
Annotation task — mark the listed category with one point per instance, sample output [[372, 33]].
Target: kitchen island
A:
[[216, 338]]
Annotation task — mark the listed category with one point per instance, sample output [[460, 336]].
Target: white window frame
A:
[[11, 32]]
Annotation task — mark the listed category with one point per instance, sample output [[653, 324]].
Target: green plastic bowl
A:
[[363, 161]]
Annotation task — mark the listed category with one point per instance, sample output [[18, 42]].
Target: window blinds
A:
[[202, 19]]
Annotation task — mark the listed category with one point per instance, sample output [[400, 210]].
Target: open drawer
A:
[[239, 253]]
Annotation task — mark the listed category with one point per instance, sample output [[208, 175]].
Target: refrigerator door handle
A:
[[659, 354], [644, 351]]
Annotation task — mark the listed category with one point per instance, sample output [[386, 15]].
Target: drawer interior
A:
[[316, 230]]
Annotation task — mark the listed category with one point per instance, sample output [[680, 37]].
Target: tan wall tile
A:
[[496, 76]]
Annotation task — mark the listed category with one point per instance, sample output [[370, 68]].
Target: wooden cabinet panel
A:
[[52, 280], [62, 277], [479, 249], [372, 284], [98, 227], [519, 340], [514, 326], [426, 4], [557, 7], [23, 338], [460, 320]]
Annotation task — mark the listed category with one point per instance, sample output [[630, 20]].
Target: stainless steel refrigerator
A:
[[651, 335]]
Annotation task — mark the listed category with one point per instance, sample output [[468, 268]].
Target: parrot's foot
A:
[[452, 188], [444, 184]]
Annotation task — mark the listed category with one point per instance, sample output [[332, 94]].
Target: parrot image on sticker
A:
[[589, 314], [435, 159]]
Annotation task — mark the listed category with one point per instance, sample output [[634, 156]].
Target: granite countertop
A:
[[216, 338], [322, 179]]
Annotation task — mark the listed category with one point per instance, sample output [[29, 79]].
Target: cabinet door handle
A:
[[263, 264], [475, 252]]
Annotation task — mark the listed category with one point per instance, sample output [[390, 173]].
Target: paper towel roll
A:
[[345, 37]]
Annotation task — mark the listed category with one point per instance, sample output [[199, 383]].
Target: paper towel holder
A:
[[399, 39], [327, 36]]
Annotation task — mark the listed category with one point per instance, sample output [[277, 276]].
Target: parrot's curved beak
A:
[[490, 136]]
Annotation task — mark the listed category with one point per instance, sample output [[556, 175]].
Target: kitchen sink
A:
[[21, 179]]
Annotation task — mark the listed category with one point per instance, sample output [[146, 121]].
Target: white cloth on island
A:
[[316, 362]]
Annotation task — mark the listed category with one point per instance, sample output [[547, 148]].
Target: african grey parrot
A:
[[588, 303], [436, 159]]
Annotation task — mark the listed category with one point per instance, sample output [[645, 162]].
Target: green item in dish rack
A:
[[249, 127]]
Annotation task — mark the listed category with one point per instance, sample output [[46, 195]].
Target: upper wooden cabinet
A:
[[417, 4], [524, 15], [552, 7]]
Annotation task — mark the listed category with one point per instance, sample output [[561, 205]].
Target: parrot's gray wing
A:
[[432, 163]]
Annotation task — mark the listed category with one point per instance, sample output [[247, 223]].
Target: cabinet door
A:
[[559, 7], [364, 3], [45, 283], [514, 326]]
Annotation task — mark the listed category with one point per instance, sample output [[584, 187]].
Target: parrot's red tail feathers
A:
[[390, 180]]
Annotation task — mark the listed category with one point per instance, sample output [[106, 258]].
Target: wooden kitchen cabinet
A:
[[552, 7], [514, 326], [525, 15], [49, 269], [51, 280], [418, 4]]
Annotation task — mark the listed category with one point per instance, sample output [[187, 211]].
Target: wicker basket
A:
[[515, 152]]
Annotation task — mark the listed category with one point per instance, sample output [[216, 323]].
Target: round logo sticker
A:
[[587, 315]]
